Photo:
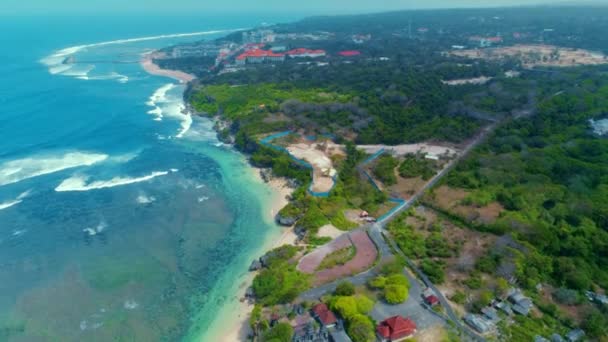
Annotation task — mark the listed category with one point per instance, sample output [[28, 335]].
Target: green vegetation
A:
[[236, 101], [384, 169], [434, 269], [337, 258], [345, 288], [429, 250], [417, 166], [361, 329], [281, 332], [395, 294], [280, 282], [395, 286], [549, 173], [350, 306], [354, 309]]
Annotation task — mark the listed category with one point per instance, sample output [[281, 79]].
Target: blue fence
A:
[[266, 142], [400, 203], [373, 156]]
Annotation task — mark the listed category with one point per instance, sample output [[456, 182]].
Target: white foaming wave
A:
[[96, 230], [79, 183], [203, 199], [171, 107], [144, 199], [112, 76], [17, 170], [56, 65], [16, 201]]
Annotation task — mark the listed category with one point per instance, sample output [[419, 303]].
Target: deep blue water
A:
[[114, 225]]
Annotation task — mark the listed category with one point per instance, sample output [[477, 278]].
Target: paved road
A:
[[414, 303]]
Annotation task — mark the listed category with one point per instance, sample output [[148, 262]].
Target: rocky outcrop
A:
[[286, 221]]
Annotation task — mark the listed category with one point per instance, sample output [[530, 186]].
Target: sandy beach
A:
[[237, 327], [147, 63], [237, 310]]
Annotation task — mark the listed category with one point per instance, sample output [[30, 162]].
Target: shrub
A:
[[281, 332], [361, 329], [395, 294], [377, 283], [345, 289]]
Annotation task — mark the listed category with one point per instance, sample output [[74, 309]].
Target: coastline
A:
[[238, 328], [237, 310], [147, 63]]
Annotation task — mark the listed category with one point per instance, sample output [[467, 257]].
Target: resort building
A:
[[302, 53], [258, 56], [395, 329]]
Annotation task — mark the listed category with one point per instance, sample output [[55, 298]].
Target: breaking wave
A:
[[16, 201], [92, 231], [171, 106], [17, 170], [80, 183], [144, 199], [57, 66]]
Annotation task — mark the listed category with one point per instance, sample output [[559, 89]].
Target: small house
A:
[[478, 323], [431, 300], [325, 316], [521, 304], [395, 328], [491, 314], [504, 307]]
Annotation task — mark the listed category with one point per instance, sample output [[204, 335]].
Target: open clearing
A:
[[364, 258], [537, 55], [317, 154]]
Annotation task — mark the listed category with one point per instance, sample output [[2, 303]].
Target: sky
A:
[[234, 6]]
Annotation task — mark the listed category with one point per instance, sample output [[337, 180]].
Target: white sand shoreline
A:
[[238, 310], [238, 328], [147, 63]]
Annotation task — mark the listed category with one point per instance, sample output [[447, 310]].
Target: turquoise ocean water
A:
[[121, 219]]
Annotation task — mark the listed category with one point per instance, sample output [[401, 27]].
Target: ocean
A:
[[121, 218]]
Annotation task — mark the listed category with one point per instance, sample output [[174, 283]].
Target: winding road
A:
[[377, 233]]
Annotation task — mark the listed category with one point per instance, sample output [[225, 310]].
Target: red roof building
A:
[[259, 56], [302, 52], [395, 329], [324, 315], [431, 300], [349, 53]]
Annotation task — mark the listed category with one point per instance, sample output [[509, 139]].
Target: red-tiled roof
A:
[[303, 51], [257, 53], [432, 300], [324, 314], [349, 53], [396, 327]]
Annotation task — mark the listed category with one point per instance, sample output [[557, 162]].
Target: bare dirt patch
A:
[[446, 197], [537, 55], [310, 262], [318, 155], [433, 334], [407, 187], [364, 259]]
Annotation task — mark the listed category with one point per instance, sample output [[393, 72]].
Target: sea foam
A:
[[56, 65], [171, 106], [20, 169], [80, 183], [14, 202]]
